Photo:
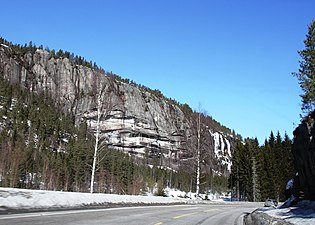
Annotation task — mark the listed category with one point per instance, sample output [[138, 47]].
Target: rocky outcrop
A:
[[303, 150], [134, 120], [258, 217]]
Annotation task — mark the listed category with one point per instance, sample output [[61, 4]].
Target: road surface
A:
[[211, 214]]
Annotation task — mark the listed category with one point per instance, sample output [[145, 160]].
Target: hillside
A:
[[153, 129]]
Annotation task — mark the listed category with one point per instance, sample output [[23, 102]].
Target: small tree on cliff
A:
[[306, 73]]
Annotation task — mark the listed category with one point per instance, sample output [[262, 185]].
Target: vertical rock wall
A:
[[303, 150]]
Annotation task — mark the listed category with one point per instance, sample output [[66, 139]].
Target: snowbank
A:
[[25, 199], [35, 199], [302, 214]]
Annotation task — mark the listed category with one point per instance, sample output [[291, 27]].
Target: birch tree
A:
[[103, 107], [202, 157], [99, 102], [198, 153], [198, 156]]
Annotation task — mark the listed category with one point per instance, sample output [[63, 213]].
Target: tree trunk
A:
[[198, 156], [96, 141]]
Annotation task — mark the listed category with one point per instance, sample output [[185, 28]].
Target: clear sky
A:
[[234, 57]]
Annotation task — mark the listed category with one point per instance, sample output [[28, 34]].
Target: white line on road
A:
[[193, 208], [211, 210], [54, 213]]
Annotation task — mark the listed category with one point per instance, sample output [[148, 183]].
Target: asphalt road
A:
[[147, 215]]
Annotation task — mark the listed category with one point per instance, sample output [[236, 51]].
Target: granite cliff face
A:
[[135, 120]]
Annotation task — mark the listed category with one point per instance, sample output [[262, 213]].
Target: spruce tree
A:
[[306, 73]]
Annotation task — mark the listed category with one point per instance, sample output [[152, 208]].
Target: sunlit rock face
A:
[[133, 120]]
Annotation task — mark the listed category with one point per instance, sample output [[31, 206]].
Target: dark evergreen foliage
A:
[[306, 73], [261, 172]]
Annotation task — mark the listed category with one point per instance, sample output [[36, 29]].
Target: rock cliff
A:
[[303, 150], [134, 120]]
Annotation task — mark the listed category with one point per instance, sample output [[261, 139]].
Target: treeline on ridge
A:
[[18, 50]]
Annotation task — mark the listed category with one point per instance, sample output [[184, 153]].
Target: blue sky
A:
[[235, 58]]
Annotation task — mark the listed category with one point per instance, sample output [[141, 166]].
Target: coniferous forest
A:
[[261, 172]]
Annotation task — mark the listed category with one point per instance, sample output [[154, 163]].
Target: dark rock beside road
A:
[[260, 218]]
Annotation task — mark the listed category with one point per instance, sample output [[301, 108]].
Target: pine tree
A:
[[287, 167], [235, 170], [278, 154], [306, 73], [255, 150]]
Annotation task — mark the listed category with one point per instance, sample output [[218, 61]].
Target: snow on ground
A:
[[13, 198], [35, 199], [302, 214], [181, 194], [16, 199]]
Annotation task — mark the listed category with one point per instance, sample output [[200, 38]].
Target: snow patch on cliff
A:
[[222, 149]]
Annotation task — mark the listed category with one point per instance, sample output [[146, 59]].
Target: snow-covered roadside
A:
[[302, 214], [13, 198], [25, 199]]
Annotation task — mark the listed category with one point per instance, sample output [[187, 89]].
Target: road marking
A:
[[16, 216], [209, 210], [158, 223], [56, 213], [188, 214], [191, 208]]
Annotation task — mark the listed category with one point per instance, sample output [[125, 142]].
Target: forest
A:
[[261, 172]]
